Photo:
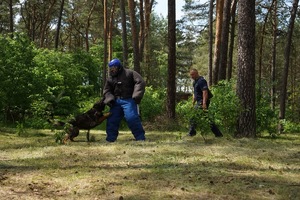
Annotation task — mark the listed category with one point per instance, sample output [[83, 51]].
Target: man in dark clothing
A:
[[201, 97], [123, 91]]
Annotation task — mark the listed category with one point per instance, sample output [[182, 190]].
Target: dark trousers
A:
[[213, 127]]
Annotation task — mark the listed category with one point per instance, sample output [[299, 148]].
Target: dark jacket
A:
[[127, 84], [199, 85]]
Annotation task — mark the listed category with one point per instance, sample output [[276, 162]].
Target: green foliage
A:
[[225, 106], [290, 127], [153, 103], [36, 83], [59, 136], [21, 131], [17, 81], [266, 117], [187, 114]]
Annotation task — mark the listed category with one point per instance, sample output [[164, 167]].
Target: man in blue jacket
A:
[[201, 97], [123, 91]]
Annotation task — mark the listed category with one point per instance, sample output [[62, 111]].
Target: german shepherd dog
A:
[[84, 121]]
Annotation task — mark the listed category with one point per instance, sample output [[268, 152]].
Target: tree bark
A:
[[171, 88], [274, 53], [218, 35], [110, 30], [135, 38], [124, 33], [232, 36], [104, 74], [142, 31], [147, 50], [246, 126], [210, 47], [224, 38]]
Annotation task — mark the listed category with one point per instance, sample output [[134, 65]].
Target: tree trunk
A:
[[246, 69], [210, 48], [59, 24], [232, 36], [124, 33], [11, 18], [171, 88], [224, 46], [110, 30], [44, 25], [287, 53], [87, 28], [135, 38], [105, 43], [142, 31], [274, 53], [218, 35], [147, 50]]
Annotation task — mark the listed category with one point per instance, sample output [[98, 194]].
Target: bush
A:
[[290, 127], [153, 103], [224, 106], [187, 114]]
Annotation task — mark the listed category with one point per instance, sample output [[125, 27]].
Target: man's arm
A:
[[139, 87], [205, 98]]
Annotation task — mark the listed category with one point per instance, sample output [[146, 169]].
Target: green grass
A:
[[166, 166]]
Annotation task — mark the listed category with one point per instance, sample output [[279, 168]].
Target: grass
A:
[[166, 166]]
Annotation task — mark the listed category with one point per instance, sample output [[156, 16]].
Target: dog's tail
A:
[[56, 122]]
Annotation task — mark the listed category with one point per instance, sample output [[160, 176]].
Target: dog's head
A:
[[99, 107]]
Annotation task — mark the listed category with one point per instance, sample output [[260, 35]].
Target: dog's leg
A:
[[88, 135]]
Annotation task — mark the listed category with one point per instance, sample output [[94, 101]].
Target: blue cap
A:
[[115, 63]]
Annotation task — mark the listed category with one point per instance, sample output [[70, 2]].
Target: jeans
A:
[[124, 108]]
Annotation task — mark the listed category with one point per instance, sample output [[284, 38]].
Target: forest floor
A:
[[168, 165]]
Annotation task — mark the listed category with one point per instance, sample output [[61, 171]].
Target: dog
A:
[[85, 121]]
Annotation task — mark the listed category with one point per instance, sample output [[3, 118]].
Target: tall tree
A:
[[287, 52], [88, 24], [274, 53], [110, 30], [124, 32], [218, 36], [11, 17], [224, 40], [105, 42], [135, 38], [142, 31], [171, 88], [210, 48], [59, 23], [45, 22], [246, 69], [232, 36]]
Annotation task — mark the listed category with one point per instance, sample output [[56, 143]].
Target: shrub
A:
[[224, 106], [153, 103], [187, 114]]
